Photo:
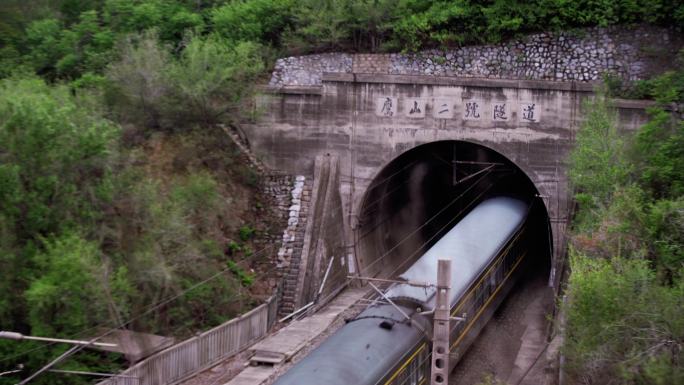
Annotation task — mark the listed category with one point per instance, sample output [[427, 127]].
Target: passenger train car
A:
[[381, 347]]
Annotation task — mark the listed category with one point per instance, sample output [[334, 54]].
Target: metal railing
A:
[[193, 355]]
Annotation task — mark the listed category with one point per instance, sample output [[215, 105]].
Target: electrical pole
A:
[[78, 345], [440, 340], [18, 336]]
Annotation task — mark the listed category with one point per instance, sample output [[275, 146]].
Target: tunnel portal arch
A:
[[420, 194]]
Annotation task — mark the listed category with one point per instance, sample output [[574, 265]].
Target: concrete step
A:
[[262, 357]]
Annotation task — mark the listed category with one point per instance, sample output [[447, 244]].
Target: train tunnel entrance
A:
[[422, 193]]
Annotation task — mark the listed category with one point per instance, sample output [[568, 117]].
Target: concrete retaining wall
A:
[[349, 117], [324, 238]]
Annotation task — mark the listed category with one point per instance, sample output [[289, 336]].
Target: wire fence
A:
[[193, 355]]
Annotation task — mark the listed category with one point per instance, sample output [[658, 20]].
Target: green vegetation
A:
[[118, 191], [94, 230], [626, 291], [68, 39]]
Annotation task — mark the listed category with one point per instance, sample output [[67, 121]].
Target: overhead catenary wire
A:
[[444, 208], [437, 233], [420, 247], [171, 298], [487, 171]]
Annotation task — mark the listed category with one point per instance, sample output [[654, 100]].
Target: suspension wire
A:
[[453, 219], [384, 195], [169, 299], [410, 257], [173, 297], [275, 268], [375, 185], [417, 229], [336, 290], [407, 259], [425, 223], [486, 170]]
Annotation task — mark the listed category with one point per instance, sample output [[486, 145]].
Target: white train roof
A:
[[470, 245]]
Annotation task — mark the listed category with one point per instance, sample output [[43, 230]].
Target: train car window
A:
[[422, 364], [403, 375], [480, 296], [413, 372]]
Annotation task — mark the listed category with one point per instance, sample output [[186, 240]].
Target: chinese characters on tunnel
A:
[[386, 107], [415, 108], [465, 109], [499, 112], [529, 112], [443, 109], [472, 109]]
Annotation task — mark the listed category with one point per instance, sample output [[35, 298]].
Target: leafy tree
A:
[[598, 164], [659, 149], [622, 325], [72, 10], [170, 18], [140, 79], [665, 226], [206, 84], [212, 78], [324, 25], [625, 291], [55, 153], [88, 47], [67, 297], [260, 21], [43, 38], [55, 149]]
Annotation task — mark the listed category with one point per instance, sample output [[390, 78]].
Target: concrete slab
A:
[[134, 345], [253, 375], [280, 347]]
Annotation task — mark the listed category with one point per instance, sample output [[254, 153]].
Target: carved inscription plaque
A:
[[414, 108], [469, 109], [443, 108], [386, 107]]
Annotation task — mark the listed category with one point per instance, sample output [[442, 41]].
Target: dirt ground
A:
[[494, 352]]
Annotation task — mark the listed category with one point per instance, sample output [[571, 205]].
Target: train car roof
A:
[[470, 245], [359, 353]]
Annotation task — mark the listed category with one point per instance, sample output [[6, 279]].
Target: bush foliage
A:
[[65, 39], [96, 224], [625, 310], [90, 237]]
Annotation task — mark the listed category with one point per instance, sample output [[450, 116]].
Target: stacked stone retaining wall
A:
[[290, 253], [583, 55]]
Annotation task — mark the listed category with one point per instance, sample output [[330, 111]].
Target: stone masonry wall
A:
[[307, 70], [290, 252], [584, 55]]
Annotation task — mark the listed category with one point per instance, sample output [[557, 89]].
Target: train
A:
[[380, 346]]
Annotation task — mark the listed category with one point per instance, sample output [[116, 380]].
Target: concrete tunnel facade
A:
[[371, 123], [425, 191]]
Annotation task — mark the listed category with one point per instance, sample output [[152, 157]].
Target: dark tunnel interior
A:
[[424, 192]]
